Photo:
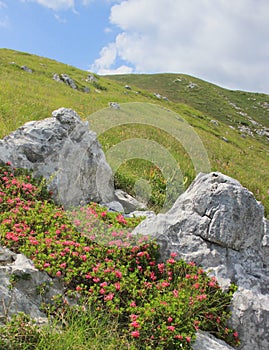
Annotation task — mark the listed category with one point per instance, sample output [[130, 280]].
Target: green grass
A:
[[26, 97]]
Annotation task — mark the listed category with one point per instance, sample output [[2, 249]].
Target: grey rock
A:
[[114, 206], [157, 95], [20, 283], [26, 69], [265, 242], [68, 81], [128, 202], [218, 224], [65, 78], [64, 151], [91, 78], [114, 105], [137, 213], [205, 341], [57, 78], [214, 122]]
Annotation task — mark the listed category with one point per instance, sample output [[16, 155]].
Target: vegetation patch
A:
[[116, 279]]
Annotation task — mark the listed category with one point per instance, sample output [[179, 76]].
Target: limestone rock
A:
[[65, 78], [205, 341], [218, 224], [128, 202], [64, 151], [20, 282], [26, 69]]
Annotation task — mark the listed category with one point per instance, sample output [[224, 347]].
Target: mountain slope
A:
[[229, 123]]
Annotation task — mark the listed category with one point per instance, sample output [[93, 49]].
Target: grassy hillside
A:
[[226, 121]]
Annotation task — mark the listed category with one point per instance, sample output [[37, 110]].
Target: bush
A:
[[158, 305]]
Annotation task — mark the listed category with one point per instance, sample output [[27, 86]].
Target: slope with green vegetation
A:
[[213, 112]]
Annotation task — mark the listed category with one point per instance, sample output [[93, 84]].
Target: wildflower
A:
[[175, 293], [78, 288], [235, 334], [133, 317], [188, 339], [178, 336], [135, 324], [171, 328], [196, 285], [173, 255], [133, 304], [110, 296], [63, 265], [135, 334], [170, 319], [58, 273], [118, 274], [165, 284], [46, 264], [117, 285]]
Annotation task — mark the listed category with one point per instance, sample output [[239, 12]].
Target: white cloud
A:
[[215, 40], [55, 4]]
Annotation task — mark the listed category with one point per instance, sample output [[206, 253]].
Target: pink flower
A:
[[169, 319], [173, 255], [117, 285], [235, 334], [103, 214], [188, 276], [135, 334], [188, 339], [46, 265], [161, 267], [175, 292], [178, 336], [83, 257], [152, 276], [171, 328], [63, 265], [78, 288], [110, 296], [196, 285], [104, 284], [135, 324], [133, 317], [165, 284], [58, 273], [171, 261], [118, 274], [133, 304]]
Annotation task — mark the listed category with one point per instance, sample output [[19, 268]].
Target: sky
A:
[[225, 42]]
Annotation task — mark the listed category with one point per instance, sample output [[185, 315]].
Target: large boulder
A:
[[23, 288], [218, 224], [64, 151]]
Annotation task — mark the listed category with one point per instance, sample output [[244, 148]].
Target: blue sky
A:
[[222, 41]]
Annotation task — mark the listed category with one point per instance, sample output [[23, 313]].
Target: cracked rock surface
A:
[[219, 224], [67, 153]]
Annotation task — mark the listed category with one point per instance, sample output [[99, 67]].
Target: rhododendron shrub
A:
[[159, 304]]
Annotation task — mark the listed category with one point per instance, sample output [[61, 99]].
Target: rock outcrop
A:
[[23, 288], [218, 224], [64, 151]]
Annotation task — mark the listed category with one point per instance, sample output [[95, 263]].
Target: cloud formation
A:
[[55, 4], [215, 40]]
